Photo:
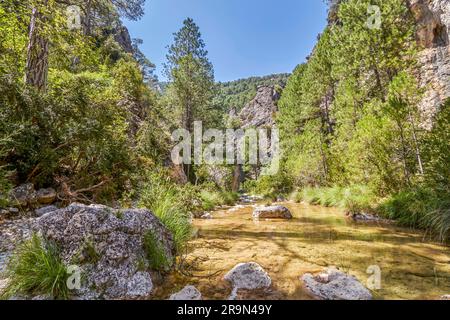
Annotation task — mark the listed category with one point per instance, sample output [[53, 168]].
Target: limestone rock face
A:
[[107, 245], [249, 276], [433, 30], [335, 285], [188, 293], [273, 212], [260, 111]]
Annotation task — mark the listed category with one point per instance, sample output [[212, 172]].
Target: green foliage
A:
[[270, 187], [156, 254], [353, 199], [80, 132], [422, 208], [171, 203], [191, 75], [236, 94], [212, 198], [36, 269]]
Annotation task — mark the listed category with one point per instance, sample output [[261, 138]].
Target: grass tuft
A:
[[156, 254], [36, 269]]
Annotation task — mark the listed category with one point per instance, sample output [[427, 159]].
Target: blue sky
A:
[[244, 37]]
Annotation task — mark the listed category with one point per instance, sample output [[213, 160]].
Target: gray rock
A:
[[4, 257], [207, 216], [14, 232], [446, 297], [188, 293], [365, 217], [261, 110], [273, 212], [23, 195], [44, 210], [13, 211], [249, 276], [116, 238], [433, 33], [46, 196], [42, 298], [335, 285], [3, 285]]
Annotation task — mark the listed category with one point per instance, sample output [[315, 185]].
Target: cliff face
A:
[[433, 30], [260, 111]]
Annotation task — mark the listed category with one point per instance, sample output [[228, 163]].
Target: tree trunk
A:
[[237, 178], [88, 18], [36, 71]]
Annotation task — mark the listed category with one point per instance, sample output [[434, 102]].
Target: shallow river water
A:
[[411, 266]]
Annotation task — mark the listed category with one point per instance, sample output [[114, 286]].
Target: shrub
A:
[[420, 208], [214, 198], [36, 269], [156, 254], [353, 199], [171, 203], [270, 187]]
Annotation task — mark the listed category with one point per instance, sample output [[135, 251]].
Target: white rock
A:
[[335, 285], [188, 293], [249, 276], [207, 216], [273, 212]]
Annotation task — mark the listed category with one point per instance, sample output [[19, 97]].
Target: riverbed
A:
[[412, 266]]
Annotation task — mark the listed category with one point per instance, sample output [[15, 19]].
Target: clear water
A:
[[412, 267]]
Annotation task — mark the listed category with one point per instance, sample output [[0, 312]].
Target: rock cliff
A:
[[260, 111], [433, 30]]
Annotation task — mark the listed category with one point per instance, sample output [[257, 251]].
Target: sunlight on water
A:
[[412, 268]]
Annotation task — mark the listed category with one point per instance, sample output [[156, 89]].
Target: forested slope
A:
[[354, 122]]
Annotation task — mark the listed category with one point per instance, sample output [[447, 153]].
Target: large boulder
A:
[[333, 284], [272, 212], [108, 246], [248, 276], [188, 293]]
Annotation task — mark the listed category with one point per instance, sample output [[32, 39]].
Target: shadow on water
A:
[[316, 238]]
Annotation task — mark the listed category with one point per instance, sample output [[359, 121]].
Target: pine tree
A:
[[191, 74]]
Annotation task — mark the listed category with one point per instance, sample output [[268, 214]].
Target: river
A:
[[412, 267]]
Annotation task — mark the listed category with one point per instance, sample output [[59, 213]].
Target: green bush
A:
[[270, 187], [156, 254], [212, 199], [171, 203], [36, 269], [353, 199], [420, 208]]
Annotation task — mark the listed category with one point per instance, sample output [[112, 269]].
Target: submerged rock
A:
[[365, 217], [249, 276], [206, 216], [108, 246], [273, 212], [188, 293], [335, 285]]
